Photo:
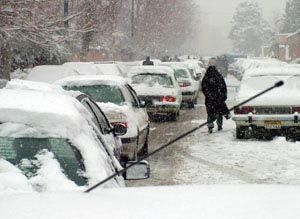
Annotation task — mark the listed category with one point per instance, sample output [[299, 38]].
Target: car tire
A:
[[191, 104], [145, 150], [240, 132], [195, 100], [173, 116]]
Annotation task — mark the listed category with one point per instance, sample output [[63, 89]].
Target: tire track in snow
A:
[[246, 177]]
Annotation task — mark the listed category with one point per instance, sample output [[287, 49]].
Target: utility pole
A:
[[132, 18], [66, 13]]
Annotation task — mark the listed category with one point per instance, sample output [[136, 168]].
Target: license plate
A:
[[272, 124]]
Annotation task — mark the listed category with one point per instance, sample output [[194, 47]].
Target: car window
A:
[[19, 150], [101, 93], [97, 116], [103, 121], [133, 95], [181, 73], [153, 79]]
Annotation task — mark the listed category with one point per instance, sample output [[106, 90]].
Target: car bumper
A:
[[264, 121], [188, 96], [164, 109]]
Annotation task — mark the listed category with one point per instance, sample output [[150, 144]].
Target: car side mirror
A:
[[119, 130], [143, 104], [138, 171]]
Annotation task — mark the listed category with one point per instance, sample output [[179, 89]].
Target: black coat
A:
[[215, 92]]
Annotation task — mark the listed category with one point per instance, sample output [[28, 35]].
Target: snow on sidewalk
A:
[[219, 158]]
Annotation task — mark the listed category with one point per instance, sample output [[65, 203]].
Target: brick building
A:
[[286, 47]]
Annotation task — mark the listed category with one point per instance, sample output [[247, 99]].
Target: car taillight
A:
[[184, 84], [296, 109], [120, 123], [244, 110], [167, 99]]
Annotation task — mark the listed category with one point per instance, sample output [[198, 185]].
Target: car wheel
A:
[[191, 104], [195, 100], [144, 151], [173, 116], [240, 132]]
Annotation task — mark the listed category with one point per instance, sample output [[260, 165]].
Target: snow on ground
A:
[[174, 202], [220, 158]]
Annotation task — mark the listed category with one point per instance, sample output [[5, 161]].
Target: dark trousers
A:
[[212, 118]]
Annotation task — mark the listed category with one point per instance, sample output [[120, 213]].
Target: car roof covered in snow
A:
[[82, 68], [174, 65], [49, 73], [151, 69], [284, 71], [109, 69], [86, 80], [34, 108]]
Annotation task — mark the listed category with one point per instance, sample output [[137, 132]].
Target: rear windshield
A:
[[22, 152], [153, 79], [102, 93], [181, 73]]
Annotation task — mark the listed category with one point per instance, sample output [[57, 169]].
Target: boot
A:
[[210, 130]]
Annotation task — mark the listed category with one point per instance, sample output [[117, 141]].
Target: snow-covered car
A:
[[98, 117], [48, 142], [49, 73], [198, 71], [274, 113], [189, 87], [120, 104], [107, 68], [157, 87]]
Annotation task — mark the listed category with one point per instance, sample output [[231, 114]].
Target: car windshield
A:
[[153, 79], [181, 73], [23, 153], [101, 93]]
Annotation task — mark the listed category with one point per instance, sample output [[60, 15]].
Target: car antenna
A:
[[278, 84]]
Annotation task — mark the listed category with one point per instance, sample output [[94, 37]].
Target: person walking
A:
[[148, 61], [215, 91]]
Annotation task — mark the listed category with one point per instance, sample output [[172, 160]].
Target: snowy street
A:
[[219, 158]]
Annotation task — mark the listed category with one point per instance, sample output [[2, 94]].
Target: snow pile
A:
[[49, 73], [12, 179], [239, 67], [49, 176], [173, 202]]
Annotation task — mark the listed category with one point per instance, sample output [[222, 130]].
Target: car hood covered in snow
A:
[[176, 202]]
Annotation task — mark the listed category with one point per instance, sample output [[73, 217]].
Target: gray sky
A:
[[216, 17]]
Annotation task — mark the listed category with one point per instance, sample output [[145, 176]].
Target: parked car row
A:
[[88, 119]]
